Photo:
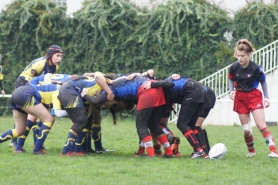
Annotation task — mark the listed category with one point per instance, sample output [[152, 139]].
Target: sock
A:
[[21, 139], [37, 131], [85, 144], [166, 145], [148, 145], [141, 149], [69, 145], [80, 140], [206, 139], [8, 135], [202, 141], [250, 143], [157, 148], [97, 136], [190, 136], [269, 139], [44, 130], [14, 140]]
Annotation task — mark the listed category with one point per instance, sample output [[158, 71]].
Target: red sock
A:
[[269, 139], [190, 136], [149, 146], [250, 143], [165, 143]]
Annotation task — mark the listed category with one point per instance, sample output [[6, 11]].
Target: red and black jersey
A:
[[248, 78]]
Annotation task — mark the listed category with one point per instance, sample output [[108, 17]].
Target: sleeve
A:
[[96, 99], [165, 84], [56, 102], [38, 67], [231, 85], [231, 73], [261, 75], [1, 85], [264, 88]]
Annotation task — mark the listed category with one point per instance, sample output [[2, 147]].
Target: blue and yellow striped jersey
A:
[[38, 65]]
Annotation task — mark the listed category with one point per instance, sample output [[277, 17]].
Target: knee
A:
[[247, 129], [79, 126], [247, 133]]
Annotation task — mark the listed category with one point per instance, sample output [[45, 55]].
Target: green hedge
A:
[[183, 36]]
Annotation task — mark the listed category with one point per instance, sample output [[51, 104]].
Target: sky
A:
[[74, 5]]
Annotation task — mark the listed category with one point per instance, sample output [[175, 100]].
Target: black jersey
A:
[[248, 78]]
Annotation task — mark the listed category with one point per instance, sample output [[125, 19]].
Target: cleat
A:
[[40, 152], [43, 147], [103, 150], [136, 154], [169, 156], [273, 155], [91, 151], [251, 154], [178, 154], [20, 151], [175, 145], [68, 154], [79, 153], [196, 155], [158, 153], [206, 156]]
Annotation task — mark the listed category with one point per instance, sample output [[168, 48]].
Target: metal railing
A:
[[266, 57]]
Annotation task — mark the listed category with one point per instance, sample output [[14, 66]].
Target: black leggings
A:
[[147, 120]]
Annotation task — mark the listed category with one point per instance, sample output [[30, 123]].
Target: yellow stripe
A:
[[48, 124], [44, 131], [72, 131], [85, 130], [72, 103], [30, 102], [23, 137], [96, 125], [15, 134]]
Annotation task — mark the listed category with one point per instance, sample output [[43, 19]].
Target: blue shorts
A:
[[23, 97], [69, 96]]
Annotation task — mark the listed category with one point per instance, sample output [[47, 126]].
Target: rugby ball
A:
[[217, 151]]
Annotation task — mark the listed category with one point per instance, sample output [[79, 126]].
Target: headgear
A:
[[52, 50]]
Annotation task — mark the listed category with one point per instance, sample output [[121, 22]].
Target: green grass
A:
[[120, 167]]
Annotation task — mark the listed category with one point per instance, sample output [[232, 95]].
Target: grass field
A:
[[120, 167]]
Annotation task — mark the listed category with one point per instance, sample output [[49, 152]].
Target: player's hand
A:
[[110, 96], [130, 77], [74, 77], [3, 93], [84, 92], [146, 85], [232, 95], [266, 102]]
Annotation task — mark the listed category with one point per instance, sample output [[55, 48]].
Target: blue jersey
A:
[[48, 78], [177, 92], [127, 90]]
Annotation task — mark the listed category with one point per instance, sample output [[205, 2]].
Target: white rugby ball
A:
[[217, 151]]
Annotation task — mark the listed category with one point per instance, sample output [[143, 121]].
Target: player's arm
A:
[[2, 88], [37, 67], [100, 80], [165, 84]]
